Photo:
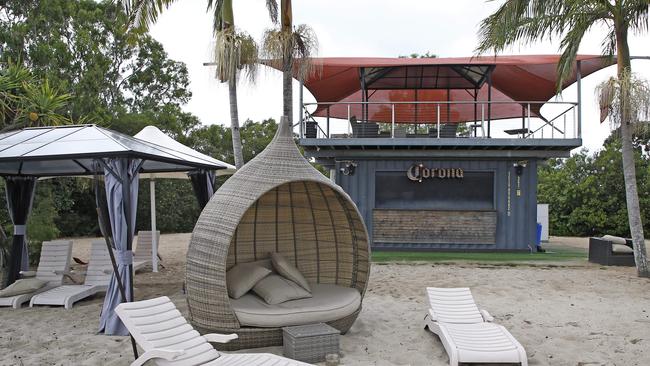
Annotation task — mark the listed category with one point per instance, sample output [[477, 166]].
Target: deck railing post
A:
[[392, 130], [579, 84], [438, 129], [301, 110], [575, 134], [328, 122], [349, 122], [529, 130], [564, 129], [482, 119]]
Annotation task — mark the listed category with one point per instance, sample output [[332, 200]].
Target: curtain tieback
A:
[[20, 229], [124, 258]]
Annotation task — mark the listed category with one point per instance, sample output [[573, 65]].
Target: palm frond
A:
[[216, 6], [235, 52], [528, 21], [635, 90], [272, 7], [637, 13], [143, 13], [285, 50]]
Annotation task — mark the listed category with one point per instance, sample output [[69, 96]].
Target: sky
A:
[[376, 28]]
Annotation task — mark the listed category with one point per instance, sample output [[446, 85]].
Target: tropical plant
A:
[[83, 48], [24, 103], [42, 105], [289, 49], [527, 21]]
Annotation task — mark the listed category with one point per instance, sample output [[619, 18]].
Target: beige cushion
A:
[[241, 278], [289, 271], [620, 248], [24, 286], [614, 239], [275, 289], [328, 303]]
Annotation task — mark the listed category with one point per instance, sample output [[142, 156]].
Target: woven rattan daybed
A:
[[276, 203]]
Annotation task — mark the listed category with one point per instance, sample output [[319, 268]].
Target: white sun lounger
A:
[[467, 332], [166, 337], [53, 264], [98, 275], [143, 250]]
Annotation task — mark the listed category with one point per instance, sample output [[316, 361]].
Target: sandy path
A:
[[572, 315]]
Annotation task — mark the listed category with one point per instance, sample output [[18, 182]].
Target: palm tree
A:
[[234, 51], [284, 46], [526, 21]]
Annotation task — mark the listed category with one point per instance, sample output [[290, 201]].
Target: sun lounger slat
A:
[[173, 333], [55, 257], [98, 276], [466, 336]]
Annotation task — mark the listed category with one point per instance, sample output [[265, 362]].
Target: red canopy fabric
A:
[[515, 78]]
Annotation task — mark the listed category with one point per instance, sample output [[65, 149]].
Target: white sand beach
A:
[[563, 314]]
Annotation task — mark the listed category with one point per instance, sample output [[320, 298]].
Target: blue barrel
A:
[[539, 234]]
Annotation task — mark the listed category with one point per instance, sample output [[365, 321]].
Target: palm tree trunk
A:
[[234, 124], [627, 151], [286, 24], [287, 95]]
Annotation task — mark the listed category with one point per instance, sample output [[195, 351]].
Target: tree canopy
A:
[[83, 49]]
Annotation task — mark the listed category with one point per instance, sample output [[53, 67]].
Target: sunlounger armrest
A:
[[220, 338], [432, 315], [486, 316], [156, 353], [27, 273]]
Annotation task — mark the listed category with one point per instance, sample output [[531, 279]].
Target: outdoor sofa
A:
[[611, 251]]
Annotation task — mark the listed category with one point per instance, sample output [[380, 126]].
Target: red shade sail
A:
[[457, 80]]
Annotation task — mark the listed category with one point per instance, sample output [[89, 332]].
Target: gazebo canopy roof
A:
[[457, 79], [70, 150], [155, 136]]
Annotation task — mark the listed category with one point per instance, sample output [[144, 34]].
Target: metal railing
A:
[[438, 120]]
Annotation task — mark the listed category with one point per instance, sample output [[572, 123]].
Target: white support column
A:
[[302, 111], [154, 237], [392, 118], [579, 84], [438, 121]]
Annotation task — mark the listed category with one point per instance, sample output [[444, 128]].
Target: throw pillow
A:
[[275, 289], [289, 271], [24, 286], [614, 239], [241, 278], [620, 248]]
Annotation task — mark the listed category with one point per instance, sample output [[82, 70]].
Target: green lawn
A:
[[556, 254]]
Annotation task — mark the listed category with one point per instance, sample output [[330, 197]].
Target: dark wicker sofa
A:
[[600, 251]]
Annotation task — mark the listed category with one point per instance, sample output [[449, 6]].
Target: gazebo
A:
[[85, 150], [202, 180], [276, 203]]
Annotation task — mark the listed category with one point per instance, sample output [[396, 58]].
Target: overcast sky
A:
[[379, 28]]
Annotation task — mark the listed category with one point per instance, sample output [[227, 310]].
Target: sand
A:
[[563, 314]]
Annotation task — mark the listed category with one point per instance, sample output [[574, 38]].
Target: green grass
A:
[[553, 255]]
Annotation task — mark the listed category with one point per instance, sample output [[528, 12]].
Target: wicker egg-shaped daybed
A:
[[278, 203]]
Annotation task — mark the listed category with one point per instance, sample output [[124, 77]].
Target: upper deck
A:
[[436, 134], [474, 106]]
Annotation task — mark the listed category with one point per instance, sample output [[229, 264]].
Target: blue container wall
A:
[[516, 225]]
